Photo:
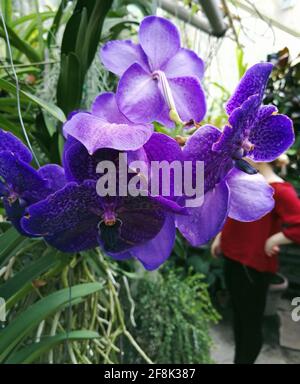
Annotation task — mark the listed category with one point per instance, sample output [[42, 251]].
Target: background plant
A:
[[284, 91], [172, 318], [76, 308]]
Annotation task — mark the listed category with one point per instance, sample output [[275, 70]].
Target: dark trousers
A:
[[248, 291]]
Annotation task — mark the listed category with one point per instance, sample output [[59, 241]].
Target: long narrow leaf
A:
[[49, 107], [32, 352], [22, 325], [9, 240], [21, 45], [28, 274]]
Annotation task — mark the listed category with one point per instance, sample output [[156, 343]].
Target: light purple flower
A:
[[106, 127], [147, 68]]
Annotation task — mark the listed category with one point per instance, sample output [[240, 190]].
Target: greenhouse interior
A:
[[149, 184]]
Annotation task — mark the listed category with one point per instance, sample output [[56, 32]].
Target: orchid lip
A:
[[168, 96], [109, 218], [161, 76]]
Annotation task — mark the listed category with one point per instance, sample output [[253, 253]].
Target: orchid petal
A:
[[184, 63], [9, 142], [253, 82], [55, 176], [105, 107], [189, 98], [138, 95], [95, 133], [156, 251], [250, 196], [159, 39], [204, 222], [271, 137], [119, 55]]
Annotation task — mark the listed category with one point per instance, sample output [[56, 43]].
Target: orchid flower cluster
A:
[[159, 82]]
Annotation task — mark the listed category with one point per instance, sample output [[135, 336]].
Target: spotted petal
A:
[[80, 165], [162, 148], [55, 176], [23, 179], [9, 142], [199, 148], [67, 214], [253, 82], [105, 107], [95, 133], [271, 137], [241, 121]]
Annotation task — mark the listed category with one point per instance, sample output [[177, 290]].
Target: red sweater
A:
[[244, 242]]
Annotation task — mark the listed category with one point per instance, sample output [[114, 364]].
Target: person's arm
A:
[[287, 207], [272, 246], [215, 248]]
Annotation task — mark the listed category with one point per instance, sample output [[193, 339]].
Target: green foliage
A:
[[79, 45], [173, 314], [241, 65], [23, 324], [32, 352], [283, 90], [70, 308]]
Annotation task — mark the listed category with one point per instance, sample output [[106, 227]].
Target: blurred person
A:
[[250, 250]]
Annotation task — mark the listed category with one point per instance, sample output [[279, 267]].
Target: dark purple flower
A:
[[227, 190], [254, 131], [20, 184], [76, 218], [147, 68], [106, 127], [9, 142]]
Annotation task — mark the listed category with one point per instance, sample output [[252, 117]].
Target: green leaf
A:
[[79, 45], [28, 274], [20, 44], [23, 324], [8, 125], [240, 62], [56, 23], [32, 352], [24, 19], [9, 240], [69, 83], [49, 107]]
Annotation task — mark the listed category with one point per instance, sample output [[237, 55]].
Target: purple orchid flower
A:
[[254, 131], [156, 75], [20, 184], [106, 127], [76, 218]]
